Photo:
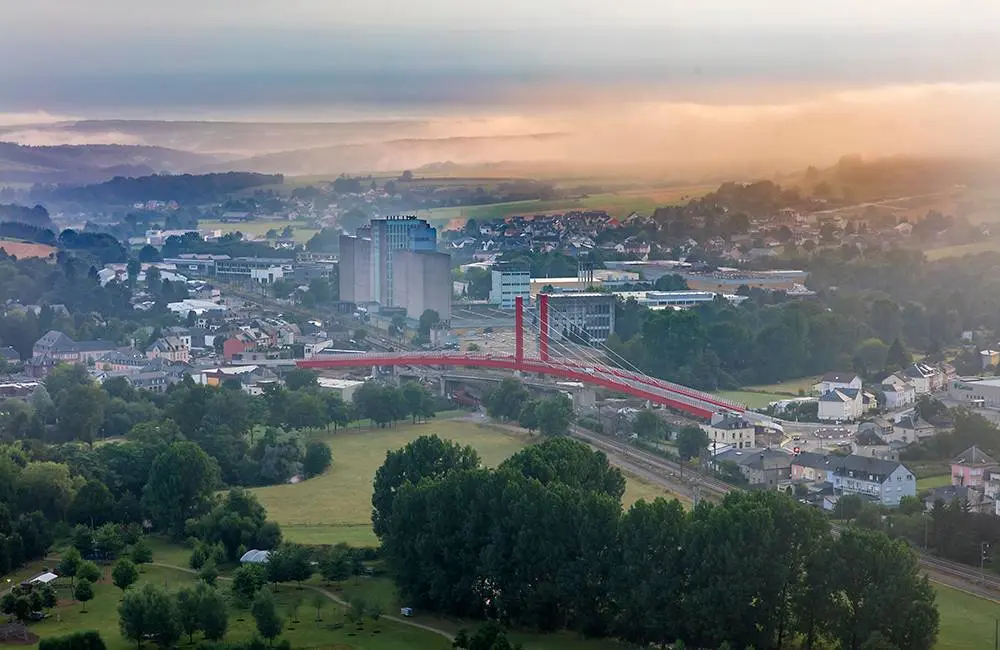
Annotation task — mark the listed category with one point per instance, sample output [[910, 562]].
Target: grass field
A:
[[336, 507], [928, 482], [102, 616], [790, 387], [967, 622], [752, 399], [990, 245], [618, 204], [260, 228]]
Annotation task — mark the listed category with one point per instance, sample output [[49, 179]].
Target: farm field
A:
[[987, 246], [259, 228], [25, 250], [618, 204], [336, 507]]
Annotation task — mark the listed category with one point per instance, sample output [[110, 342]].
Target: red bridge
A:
[[590, 371]]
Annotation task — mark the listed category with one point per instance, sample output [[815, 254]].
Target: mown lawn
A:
[[336, 507], [928, 482], [752, 399], [790, 387], [967, 622]]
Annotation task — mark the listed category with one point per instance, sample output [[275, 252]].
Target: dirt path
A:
[[335, 598]]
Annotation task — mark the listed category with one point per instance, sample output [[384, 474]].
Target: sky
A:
[[789, 79], [112, 58]]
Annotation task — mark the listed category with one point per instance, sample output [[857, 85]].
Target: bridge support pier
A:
[[519, 329], [543, 326], [584, 399]]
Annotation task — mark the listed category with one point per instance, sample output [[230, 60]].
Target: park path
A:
[[335, 598]]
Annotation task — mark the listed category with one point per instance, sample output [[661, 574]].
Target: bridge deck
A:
[[657, 391]]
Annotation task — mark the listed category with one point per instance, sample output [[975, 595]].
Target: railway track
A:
[[656, 469], [666, 473]]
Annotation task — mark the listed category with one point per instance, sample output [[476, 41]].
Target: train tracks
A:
[[691, 485], [656, 469]]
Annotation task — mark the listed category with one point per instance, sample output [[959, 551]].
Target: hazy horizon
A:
[[622, 78]]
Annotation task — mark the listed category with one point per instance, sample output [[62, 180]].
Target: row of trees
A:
[[542, 542]]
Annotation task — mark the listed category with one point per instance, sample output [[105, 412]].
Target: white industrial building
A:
[[508, 285]]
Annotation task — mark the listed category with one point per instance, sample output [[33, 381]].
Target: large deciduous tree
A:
[[425, 457], [180, 485], [566, 461], [148, 613]]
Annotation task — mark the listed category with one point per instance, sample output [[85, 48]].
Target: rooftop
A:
[[973, 456]]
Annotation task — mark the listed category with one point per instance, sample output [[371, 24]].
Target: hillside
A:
[[396, 154], [90, 163], [187, 189]]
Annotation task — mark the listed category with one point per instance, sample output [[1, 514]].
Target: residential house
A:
[[925, 378], [175, 349], [837, 380], [899, 394], [9, 354], [841, 405], [814, 468], [970, 468], [252, 378], [969, 498], [732, 430], [884, 481], [910, 427], [237, 344], [767, 468], [127, 360]]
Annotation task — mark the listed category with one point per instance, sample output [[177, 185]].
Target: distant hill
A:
[[396, 154], [37, 217], [187, 189], [90, 163]]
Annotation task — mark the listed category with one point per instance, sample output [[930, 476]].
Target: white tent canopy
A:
[[44, 578], [254, 556]]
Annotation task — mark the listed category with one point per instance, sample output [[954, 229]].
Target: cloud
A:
[[31, 118], [48, 138]]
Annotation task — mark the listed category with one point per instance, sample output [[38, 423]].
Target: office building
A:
[[395, 234], [510, 283], [423, 281], [581, 317]]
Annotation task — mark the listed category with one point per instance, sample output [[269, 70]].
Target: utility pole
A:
[[984, 548]]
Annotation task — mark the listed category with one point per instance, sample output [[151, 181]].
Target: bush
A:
[[89, 640]]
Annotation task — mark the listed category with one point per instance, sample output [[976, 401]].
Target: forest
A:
[[186, 189], [542, 542]]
